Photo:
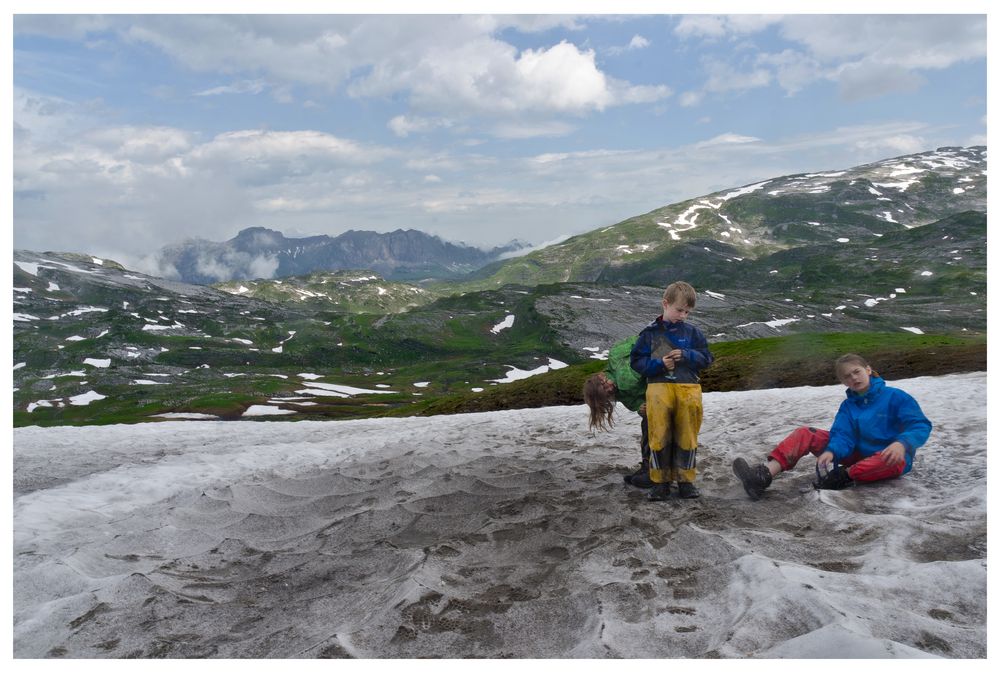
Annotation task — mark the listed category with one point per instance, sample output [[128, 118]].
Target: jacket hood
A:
[[660, 321]]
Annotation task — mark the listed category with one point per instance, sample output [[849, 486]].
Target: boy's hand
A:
[[668, 362], [894, 454], [676, 355], [824, 458]]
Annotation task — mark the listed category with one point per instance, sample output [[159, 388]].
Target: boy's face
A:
[[676, 312]]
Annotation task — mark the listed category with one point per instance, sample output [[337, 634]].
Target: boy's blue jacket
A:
[[659, 338], [868, 423]]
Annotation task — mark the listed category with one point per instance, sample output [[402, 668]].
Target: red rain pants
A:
[[811, 440]]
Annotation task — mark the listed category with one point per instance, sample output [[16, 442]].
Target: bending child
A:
[[669, 353], [619, 383], [874, 436]]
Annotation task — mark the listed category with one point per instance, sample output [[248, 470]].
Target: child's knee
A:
[[813, 438]]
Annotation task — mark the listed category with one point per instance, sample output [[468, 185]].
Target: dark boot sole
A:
[[658, 496], [745, 474], [639, 481]]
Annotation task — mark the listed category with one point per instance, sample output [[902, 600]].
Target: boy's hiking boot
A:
[[659, 492], [835, 479], [686, 489], [755, 479]]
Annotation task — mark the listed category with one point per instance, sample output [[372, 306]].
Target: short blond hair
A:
[[680, 290]]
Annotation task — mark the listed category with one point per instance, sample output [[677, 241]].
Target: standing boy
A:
[[669, 353]]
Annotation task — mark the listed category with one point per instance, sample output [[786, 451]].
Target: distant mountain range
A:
[[257, 252]]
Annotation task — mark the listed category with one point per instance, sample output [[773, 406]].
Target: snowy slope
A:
[[496, 534]]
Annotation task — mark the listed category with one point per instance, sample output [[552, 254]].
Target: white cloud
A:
[[561, 78], [403, 125], [268, 156], [637, 42], [793, 70], [254, 86], [719, 26], [691, 98], [559, 157], [515, 130], [42, 116], [485, 199], [867, 55], [146, 145], [231, 263], [440, 62], [722, 77], [64, 26], [544, 244], [490, 78], [869, 80], [921, 41], [892, 144], [310, 50], [447, 162], [728, 139], [123, 192]]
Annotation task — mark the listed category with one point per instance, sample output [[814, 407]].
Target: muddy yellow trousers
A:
[[674, 413]]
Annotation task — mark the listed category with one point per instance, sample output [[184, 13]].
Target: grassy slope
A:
[[798, 360], [778, 362]]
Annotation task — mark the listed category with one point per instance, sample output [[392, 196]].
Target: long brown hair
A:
[[600, 401], [851, 359]]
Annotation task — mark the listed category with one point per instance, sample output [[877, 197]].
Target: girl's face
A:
[[856, 377], [609, 386], [677, 312]]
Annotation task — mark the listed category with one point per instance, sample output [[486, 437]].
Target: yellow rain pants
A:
[[674, 413]]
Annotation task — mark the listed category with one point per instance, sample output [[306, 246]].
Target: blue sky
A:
[[135, 132]]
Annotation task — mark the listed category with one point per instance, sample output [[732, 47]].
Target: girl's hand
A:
[[676, 355], [824, 458], [894, 454]]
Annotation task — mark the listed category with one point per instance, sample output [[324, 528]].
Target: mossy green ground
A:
[[778, 362], [798, 360]]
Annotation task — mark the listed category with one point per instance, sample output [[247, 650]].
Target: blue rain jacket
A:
[[868, 423], [659, 338]]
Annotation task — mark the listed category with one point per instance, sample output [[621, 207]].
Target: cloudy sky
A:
[[135, 132]]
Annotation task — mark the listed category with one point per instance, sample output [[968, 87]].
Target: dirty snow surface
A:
[[505, 534]]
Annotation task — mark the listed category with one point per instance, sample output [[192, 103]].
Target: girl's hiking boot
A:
[[639, 478], [835, 479], [659, 492], [686, 489], [755, 479]]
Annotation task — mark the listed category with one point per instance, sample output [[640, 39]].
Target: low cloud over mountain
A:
[[258, 252]]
